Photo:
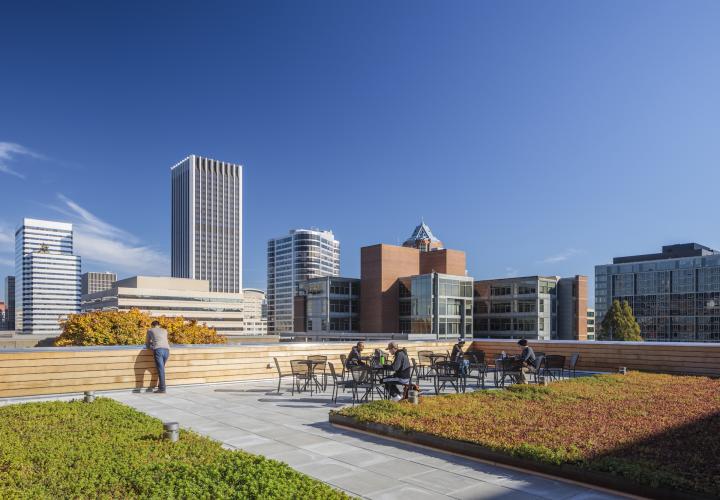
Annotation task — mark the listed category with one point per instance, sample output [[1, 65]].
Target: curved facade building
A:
[[298, 256]]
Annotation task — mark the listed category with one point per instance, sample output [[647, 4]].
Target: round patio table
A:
[[312, 379]]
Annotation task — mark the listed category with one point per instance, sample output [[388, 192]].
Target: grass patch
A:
[[656, 430], [108, 450]]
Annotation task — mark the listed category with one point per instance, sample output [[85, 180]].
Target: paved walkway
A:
[[295, 429]]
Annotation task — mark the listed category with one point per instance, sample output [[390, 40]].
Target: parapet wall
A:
[[58, 370]]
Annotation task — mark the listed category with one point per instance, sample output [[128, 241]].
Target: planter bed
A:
[[107, 450], [645, 434]]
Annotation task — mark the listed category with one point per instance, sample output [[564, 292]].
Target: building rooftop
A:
[[422, 237], [681, 250]]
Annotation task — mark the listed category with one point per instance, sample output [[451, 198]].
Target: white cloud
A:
[[511, 272], [9, 151], [7, 238], [561, 256], [101, 242]]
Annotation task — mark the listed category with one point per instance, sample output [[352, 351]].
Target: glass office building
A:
[[291, 259], [47, 276], [328, 305], [674, 295], [436, 304]]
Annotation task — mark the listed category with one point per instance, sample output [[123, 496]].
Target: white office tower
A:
[[207, 222], [301, 255], [47, 276]]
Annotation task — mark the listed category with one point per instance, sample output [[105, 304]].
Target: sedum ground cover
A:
[[108, 450], [658, 430]]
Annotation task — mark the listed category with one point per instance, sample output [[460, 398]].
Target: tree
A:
[[619, 323]]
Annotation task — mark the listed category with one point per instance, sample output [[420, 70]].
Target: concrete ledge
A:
[[472, 450]]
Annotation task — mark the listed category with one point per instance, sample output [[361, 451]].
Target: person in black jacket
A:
[[355, 356], [401, 371], [457, 356]]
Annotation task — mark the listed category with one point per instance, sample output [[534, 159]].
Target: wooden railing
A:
[[663, 357], [41, 371]]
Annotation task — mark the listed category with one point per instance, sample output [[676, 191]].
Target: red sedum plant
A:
[[658, 430]]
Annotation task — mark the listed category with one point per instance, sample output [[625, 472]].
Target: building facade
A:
[[531, 307], [436, 305], [94, 282], [674, 294], [10, 302], [590, 323], [291, 259], [172, 297], [207, 222], [3, 316], [328, 305], [47, 276], [254, 312], [382, 267]]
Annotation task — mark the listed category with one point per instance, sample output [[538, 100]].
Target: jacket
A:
[[401, 365]]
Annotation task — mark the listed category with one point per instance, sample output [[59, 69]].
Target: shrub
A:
[[108, 450], [130, 328]]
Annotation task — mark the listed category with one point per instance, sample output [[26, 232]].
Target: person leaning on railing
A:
[[527, 358], [401, 368], [157, 340]]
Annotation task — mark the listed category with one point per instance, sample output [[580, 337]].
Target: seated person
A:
[[355, 356], [401, 368], [527, 358], [457, 356]]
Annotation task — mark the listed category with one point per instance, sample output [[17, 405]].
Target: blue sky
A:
[[539, 137]]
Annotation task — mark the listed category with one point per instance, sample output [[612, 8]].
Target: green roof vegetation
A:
[[107, 450], [657, 430]]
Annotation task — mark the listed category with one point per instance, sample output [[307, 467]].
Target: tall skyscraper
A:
[[207, 222], [10, 302], [47, 286], [302, 254], [94, 282]]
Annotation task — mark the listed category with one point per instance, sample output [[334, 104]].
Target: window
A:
[[501, 307], [500, 290], [526, 290], [526, 306]]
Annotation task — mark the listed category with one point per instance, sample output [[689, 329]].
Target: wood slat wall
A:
[[678, 358], [31, 372]]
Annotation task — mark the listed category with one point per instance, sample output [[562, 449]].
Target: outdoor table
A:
[[311, 364], [434, 358], [379, 374]]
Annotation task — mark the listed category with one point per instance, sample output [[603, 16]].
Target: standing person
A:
[[527, 357], [157, 340], [355, 356], [401, 368]]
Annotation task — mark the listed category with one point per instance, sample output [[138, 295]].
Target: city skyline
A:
[[548, 155]]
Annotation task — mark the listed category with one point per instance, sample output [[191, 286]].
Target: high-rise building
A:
[[531, 307], [207, 222], [674, 294], [3, 316], [47, 286], [10, 302], [255, 312], [94, 282], [302, 254]]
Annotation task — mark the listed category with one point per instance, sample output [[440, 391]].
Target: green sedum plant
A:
[[108, 450]]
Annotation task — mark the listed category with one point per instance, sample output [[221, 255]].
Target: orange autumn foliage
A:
[[129, 328]]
